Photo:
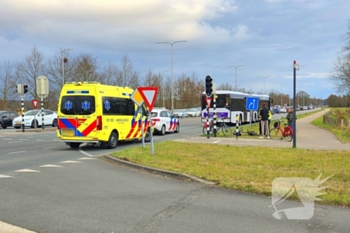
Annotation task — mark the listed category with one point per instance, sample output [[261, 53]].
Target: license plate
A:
[[18, 122], [68, 132]]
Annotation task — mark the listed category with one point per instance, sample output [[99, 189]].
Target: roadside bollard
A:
[[237, 133]]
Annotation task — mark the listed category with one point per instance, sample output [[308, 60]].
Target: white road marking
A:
[[70, 161], [5, 176], [87, 158], [26, 170], [83, 152], [16, 152], [7, 138], [49, 147], [50, 165], [14, 142], [5, 227], [216, 141]]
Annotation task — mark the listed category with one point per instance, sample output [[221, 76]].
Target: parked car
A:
[[33, 117], [283, 110], [193, 112], [6, 118], [180, 113], [163, 121], [276, 109]]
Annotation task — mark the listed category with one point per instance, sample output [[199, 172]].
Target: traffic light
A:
[[25, 89], [208, 85]]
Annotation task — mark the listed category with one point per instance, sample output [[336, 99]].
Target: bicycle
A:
[[220, 126], [277, 133]]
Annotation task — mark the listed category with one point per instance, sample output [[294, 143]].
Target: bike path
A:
[[308, 136]]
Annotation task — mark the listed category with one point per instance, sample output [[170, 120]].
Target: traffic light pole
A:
[[209, 92], [22, 110]]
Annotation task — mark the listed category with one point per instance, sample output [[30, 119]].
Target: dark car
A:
[[6, 118]]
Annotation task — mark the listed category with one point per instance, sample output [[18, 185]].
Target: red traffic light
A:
[[25, 88]]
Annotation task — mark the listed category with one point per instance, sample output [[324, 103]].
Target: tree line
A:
[[60, 69]]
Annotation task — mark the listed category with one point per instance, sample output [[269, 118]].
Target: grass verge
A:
[[343, 135], [249, 169]]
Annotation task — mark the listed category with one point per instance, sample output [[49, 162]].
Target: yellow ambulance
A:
[[92, 113]]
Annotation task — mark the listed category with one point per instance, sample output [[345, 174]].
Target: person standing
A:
[[290, 119], [264, 114]]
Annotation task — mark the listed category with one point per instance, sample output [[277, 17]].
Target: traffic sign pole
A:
[[42, 114]]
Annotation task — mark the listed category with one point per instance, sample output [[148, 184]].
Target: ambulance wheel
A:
[[162, 131], [113, 140], [74, 144]]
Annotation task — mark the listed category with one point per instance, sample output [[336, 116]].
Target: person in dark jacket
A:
[[264, 116]]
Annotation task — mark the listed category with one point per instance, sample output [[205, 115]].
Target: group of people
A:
[[265, 116]]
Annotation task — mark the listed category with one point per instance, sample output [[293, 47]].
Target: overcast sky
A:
[[264, 35]]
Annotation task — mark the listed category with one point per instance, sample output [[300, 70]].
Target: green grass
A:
[[250, 169]]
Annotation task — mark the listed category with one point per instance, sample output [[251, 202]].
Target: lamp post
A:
[[163, 87], [264, 83], [63, 60], [281, 92], [172, 71], [236, 74]]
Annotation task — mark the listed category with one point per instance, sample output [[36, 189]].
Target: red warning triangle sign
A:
[[208, 100], [149, 95], [35, 103]]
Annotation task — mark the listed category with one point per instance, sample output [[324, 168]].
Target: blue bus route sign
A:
[[252, 103]]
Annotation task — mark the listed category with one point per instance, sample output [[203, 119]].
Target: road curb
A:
[[176, 175]]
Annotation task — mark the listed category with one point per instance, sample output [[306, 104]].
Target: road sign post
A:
[[149, 95], [252, 104], [35, 105], [42, 90], [295, 68], [138, 100]]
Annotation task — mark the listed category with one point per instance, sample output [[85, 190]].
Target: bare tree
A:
[[341, 74], [86, 69], [130, 77], [111, 75], [226, 86], [303, 98], [341, 68], [55, 71], [7, 83], [30, 69]]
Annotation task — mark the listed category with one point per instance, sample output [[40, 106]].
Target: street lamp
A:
[[163, 87], [264, 83], [172, 71], [236, 73], [281, 92], [64, 60]]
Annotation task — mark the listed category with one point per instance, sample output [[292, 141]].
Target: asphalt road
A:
[[47, 187]]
